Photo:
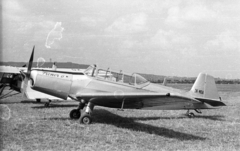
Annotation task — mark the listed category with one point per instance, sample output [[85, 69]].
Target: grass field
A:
[[30, 126]]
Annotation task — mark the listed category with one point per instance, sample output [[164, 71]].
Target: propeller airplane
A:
[[116, 89]]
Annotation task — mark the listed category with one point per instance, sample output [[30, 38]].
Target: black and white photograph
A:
[[120, 75]]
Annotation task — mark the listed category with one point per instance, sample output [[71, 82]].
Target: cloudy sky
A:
[[177, 37]]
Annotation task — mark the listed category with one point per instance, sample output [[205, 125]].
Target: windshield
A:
[[120, 77], [140, 79], [90, 71]]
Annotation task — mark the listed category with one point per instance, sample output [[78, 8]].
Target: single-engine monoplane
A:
[[116, 89]]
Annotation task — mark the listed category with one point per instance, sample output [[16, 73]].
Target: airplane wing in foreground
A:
[[152, 101], [8, 69]]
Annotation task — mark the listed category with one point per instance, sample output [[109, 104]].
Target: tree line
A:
[[185, 80]]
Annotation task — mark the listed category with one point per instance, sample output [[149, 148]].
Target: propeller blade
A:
[[28, 74], [30, 63]]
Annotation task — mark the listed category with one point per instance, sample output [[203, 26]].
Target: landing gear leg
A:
[[198, 111], [76, 113], [86, 117], [2, 86]]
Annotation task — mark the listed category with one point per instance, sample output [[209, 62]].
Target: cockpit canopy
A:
[[109, 75]]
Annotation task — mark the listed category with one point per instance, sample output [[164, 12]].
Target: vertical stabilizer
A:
[[204, 87], [165, 81]]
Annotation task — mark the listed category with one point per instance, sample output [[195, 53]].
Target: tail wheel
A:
[[75, 114], [86, 119], [46, 104], [191, 115]]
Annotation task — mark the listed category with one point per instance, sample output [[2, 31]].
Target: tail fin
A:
[[205, 87], [165, 81]]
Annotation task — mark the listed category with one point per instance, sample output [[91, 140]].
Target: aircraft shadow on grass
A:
[[209, 117], [52, 105], [10, 102], [106, 117], [213, 117]]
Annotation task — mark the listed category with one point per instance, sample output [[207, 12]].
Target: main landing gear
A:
[[191, 114], [2, 87], [85, 118], [76, 113], [47, 104]]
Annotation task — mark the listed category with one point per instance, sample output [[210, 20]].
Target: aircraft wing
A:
[[6, 69], [145, 100], [140, 100]]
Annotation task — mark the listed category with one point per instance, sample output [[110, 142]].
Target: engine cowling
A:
[[51, 82]]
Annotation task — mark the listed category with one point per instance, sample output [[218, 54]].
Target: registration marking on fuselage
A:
[[57, 75]]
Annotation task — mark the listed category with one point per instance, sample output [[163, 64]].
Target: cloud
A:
[[198, 12], [11, 6], [174, 17], [168, 40], [25, 26], [225, 41], [12, 11], [184, 13], [129, 24], [162, 42], [22, 27], [89, 21]]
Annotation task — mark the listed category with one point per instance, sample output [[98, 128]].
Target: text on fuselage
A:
[[56, 75]]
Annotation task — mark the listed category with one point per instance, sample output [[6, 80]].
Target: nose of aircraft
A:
[[33, 76]]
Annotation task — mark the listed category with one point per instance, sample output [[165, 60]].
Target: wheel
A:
[[191, 115], [86, 119], [46, 104], [75, 114]]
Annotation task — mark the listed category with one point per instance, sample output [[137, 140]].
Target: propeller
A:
[[28, 74]]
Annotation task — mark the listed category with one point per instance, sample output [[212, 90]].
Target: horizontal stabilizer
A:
[[211, 102]]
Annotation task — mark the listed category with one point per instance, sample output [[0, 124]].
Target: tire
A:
[[46, 104], [86, 119], [191, 115], [75, 114]]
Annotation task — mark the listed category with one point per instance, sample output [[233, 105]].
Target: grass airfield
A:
[[31, 126]]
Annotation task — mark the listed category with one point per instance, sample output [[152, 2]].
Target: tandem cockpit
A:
[[116, 76]]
